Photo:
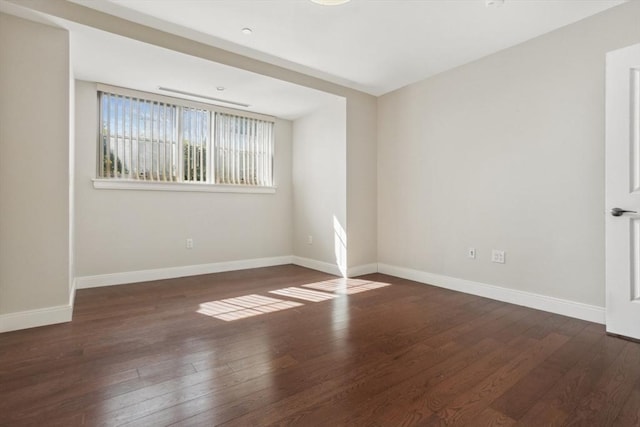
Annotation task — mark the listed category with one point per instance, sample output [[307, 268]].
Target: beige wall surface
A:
[[361, 113], [319, 183], [505, 153], [34, 165], [362, 169], [126, 230]]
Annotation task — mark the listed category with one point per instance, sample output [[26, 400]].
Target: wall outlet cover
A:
[[498, 256]]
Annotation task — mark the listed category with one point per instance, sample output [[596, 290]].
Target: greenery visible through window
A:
[[152, 140]]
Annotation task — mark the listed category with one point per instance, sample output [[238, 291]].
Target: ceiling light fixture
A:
[[330, 2], [493, 3], [247, 31], [210, 98], [220, 88]]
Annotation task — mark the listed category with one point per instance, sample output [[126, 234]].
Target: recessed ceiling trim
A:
[[330, 2], [210, 98], [494, 3], [435, 36]]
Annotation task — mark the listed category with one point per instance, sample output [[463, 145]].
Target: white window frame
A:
[[210, 185]]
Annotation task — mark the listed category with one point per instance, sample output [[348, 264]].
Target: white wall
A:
[[507, 153], [34, 169], [319, 184], [123, 230]]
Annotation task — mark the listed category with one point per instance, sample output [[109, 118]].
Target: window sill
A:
[[119, 184]]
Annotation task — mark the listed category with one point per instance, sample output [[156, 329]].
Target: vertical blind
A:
[[138, 139], [150, 140], [244, 150], [194, 131]]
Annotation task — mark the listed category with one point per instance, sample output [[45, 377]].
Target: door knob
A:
[[619, 212]]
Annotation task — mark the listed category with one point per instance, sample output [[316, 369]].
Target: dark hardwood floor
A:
[[331, 353]]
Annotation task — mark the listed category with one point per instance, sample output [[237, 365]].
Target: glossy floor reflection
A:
[[152, 354], [346, 286], [241, 307], [304, 294]]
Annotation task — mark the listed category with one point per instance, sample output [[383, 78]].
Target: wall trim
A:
[[313, 264], [63, 313], [122, 278], [111, 279], [361, 270], [122, 184], [34, 318], [39, 316], [72, 292], [560, 306], [329, 268]]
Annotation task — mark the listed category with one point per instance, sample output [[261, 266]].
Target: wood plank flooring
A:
[[327, 353]]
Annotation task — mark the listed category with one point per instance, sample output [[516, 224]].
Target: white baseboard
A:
[[564, 307], [110, 279], [63, 313], [72, 292], [326, 267], [39, 316], [361, 270], [34, 318], [122, 278], [313, 264]]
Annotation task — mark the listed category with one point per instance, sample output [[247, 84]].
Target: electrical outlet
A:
[[189, 243], [497, 256], [310, 240], [471, 253]]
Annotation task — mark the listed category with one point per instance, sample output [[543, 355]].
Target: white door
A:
[[623, 192]]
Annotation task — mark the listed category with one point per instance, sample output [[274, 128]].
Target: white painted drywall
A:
[[34, 165], [506, 153], [320, 183], [124, 230]]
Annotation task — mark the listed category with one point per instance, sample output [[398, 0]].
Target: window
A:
[[150, 138]]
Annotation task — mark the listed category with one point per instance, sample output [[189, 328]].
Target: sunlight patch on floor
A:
[[346, 286], [245, 306], [304, 294], [253, 305]]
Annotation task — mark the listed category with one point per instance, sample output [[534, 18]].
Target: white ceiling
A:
[[107, 58], [371, 45], [103, 57]]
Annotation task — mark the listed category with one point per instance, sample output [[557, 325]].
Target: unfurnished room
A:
[[320, 213]]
